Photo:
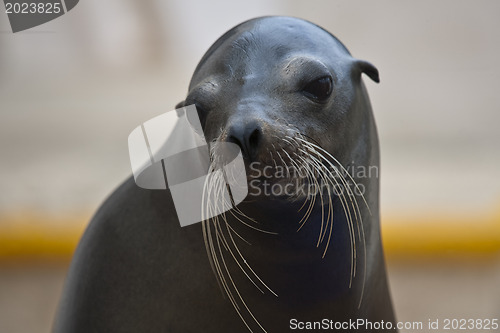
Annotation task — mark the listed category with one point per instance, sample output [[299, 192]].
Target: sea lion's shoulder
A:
[[129, 262], [131, 212]]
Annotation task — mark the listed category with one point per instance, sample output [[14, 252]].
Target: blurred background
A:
[[73, 89]]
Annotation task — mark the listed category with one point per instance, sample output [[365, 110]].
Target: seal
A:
[[302, 251]]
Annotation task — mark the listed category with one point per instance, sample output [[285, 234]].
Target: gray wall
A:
[[72, 90]]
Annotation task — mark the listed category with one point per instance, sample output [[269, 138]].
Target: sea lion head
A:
[[281, 89]]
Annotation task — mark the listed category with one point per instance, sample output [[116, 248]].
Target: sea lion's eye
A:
[[319, 90]]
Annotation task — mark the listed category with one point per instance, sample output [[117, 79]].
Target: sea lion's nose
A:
[[248, 136]]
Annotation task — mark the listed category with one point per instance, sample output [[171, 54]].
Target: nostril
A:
[[235, 140], [248, 137], [254, 140]]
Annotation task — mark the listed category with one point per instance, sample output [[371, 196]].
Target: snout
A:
[[248, 136]]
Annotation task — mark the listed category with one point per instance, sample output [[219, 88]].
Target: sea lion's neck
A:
[[302, 265]]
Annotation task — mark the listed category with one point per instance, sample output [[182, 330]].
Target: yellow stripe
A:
[[35, 237], [442, 236]]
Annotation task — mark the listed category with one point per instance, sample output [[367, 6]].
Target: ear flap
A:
[[178, 108], [368, 69]]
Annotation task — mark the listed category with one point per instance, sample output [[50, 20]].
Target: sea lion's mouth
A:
[[291, 166]]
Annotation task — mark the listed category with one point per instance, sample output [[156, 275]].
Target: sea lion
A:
[[290, 95]]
